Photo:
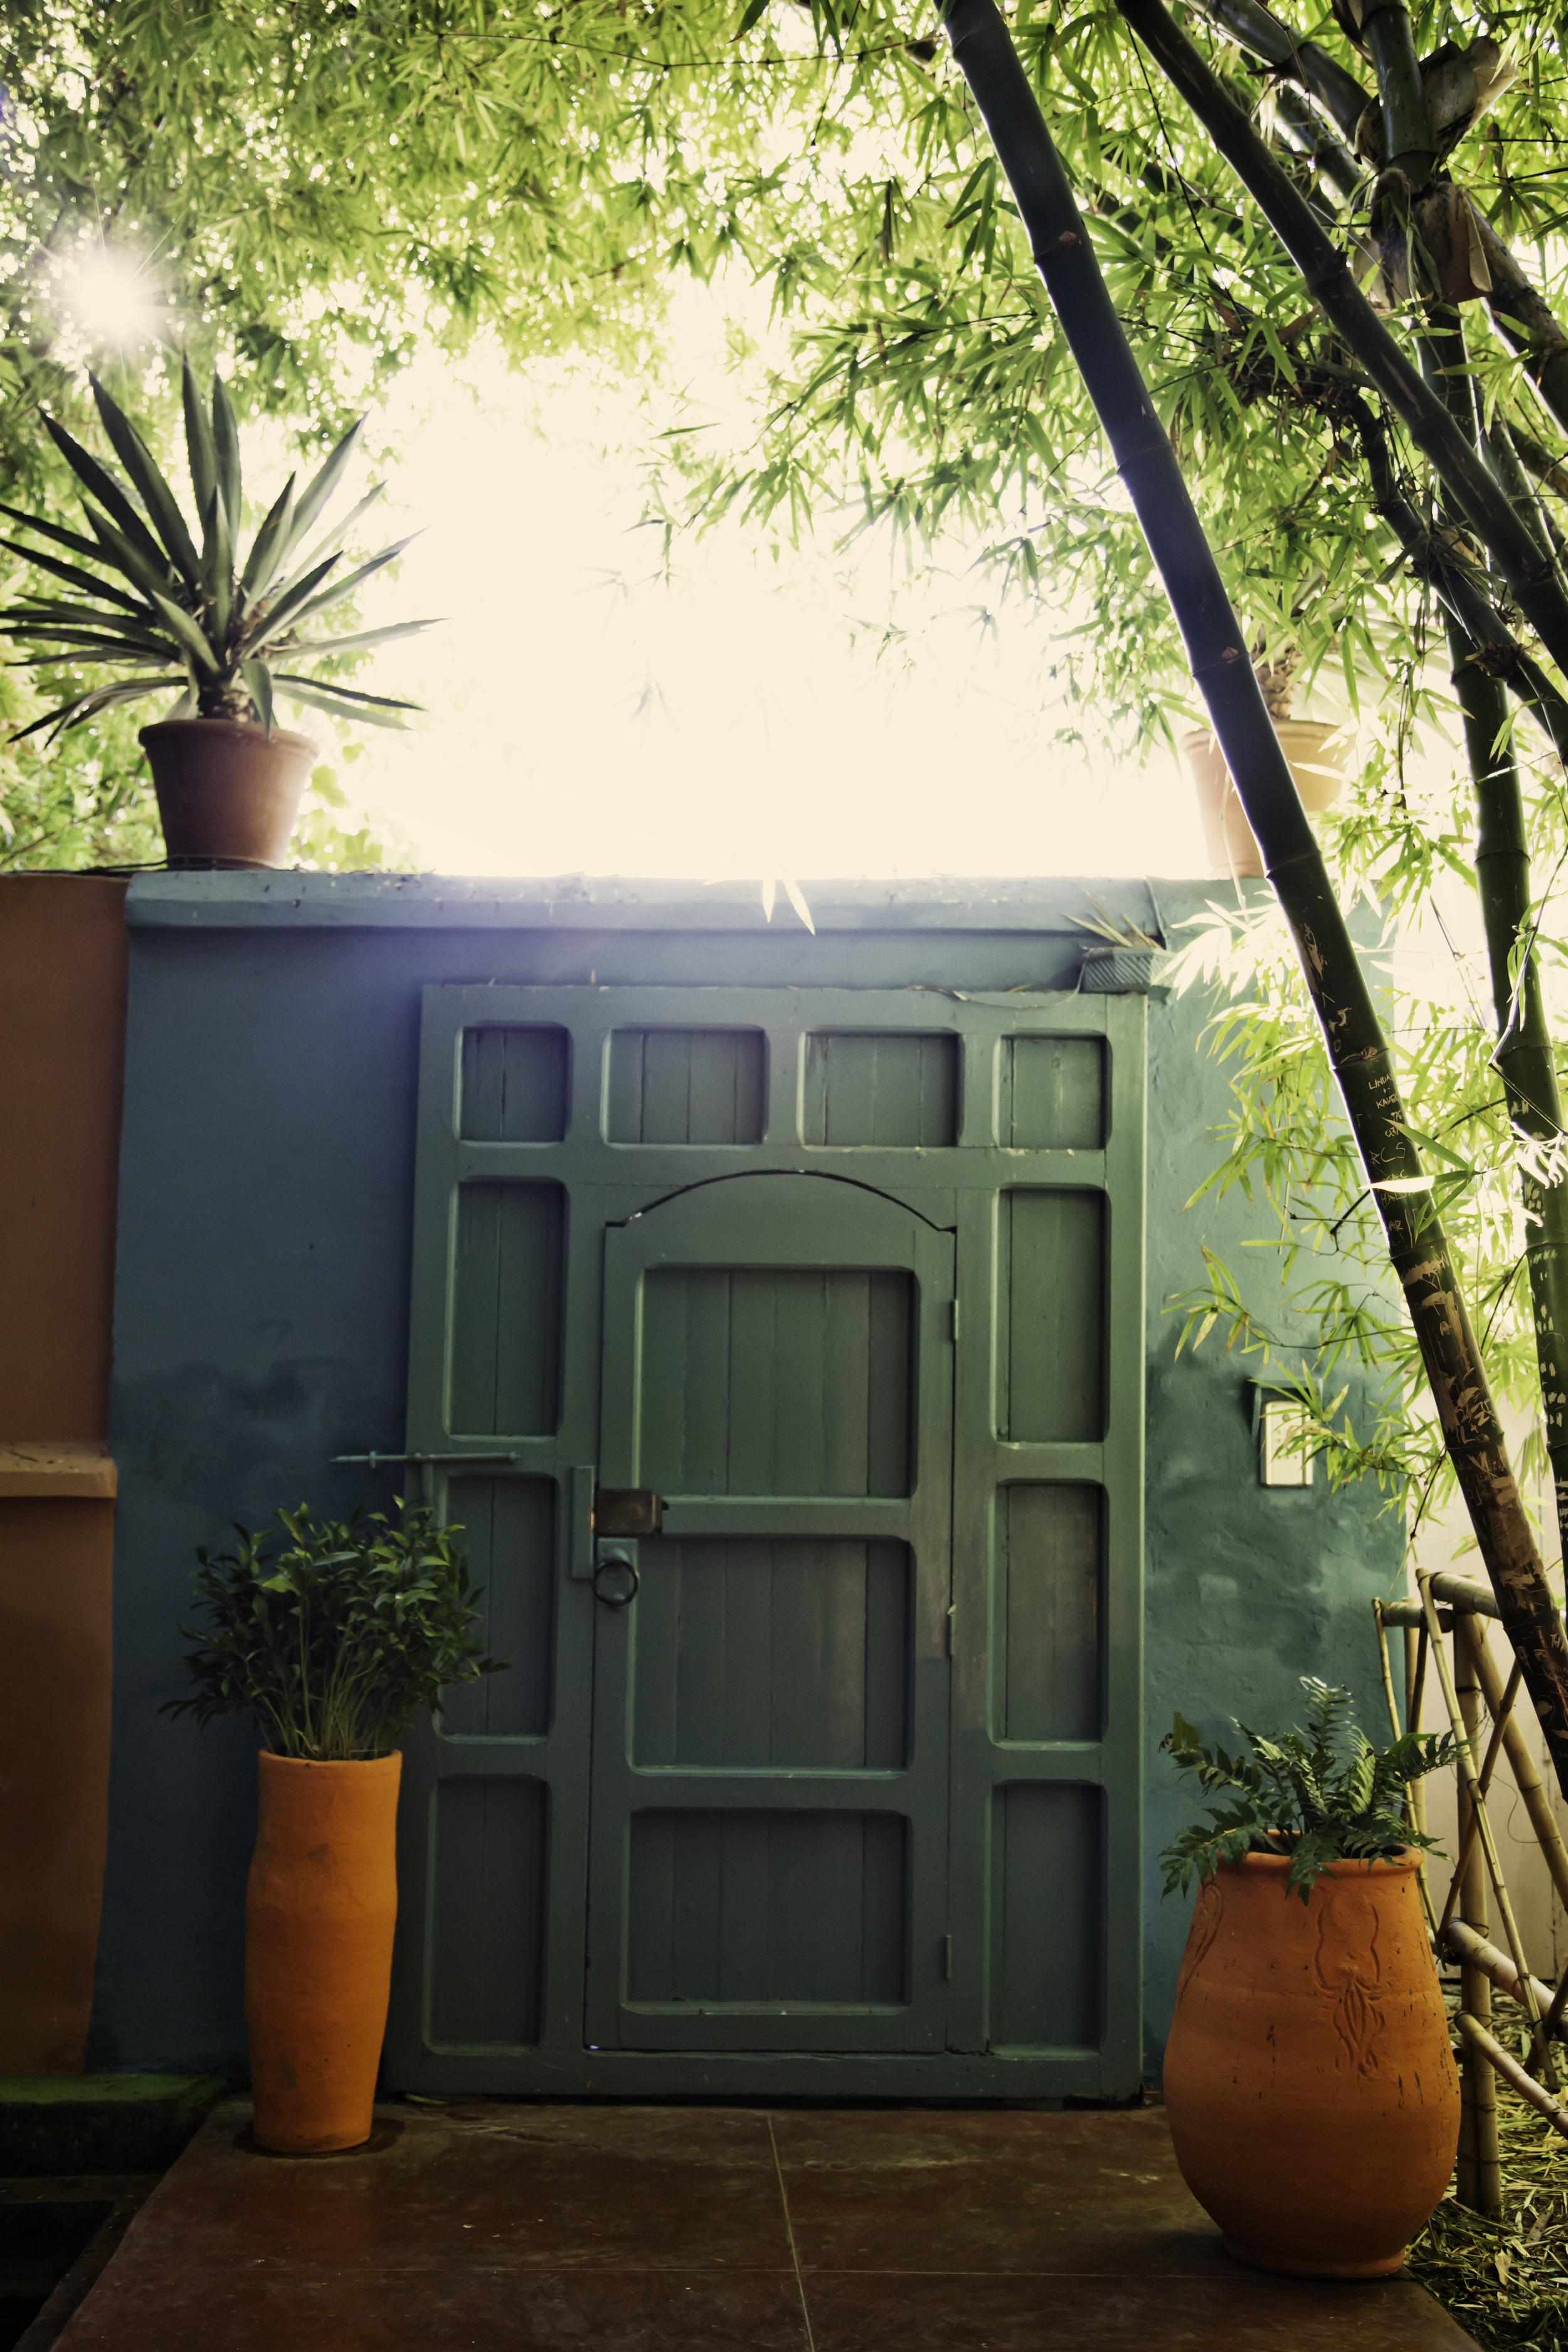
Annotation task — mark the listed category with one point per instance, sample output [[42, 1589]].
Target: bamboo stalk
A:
[[1329, 281], [1415, 1683], [1408, 143], [1256, 28], [1486, 2045], [1216, 644], [1474, 1951], [1464, 1716], [1488, 1765], [1534, 1798], [1479, 2176]]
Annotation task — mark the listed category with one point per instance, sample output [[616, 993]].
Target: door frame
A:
[[957, 1187]]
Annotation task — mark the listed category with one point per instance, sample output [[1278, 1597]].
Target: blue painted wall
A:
[[261, 1317]]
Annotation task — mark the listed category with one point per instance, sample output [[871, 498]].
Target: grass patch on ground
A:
[[1507, 2281]]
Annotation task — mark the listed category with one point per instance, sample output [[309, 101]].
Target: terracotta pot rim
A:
[[211, 727], [1349, 1866], [330, 1763]]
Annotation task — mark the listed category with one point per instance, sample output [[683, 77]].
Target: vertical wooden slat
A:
[[506, 1310], [687, 1085], [1478, 2177], [896, 1092], [1052, 1334], [515, 1085], [1049, 1562], [1046, 1986], [488, 1911], [1052, 1094], [508, 1534]]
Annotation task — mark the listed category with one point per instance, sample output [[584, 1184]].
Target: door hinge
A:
[[955, 1322], [947, 1633], [947, 1960]]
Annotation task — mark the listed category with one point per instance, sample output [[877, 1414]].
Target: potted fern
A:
[[1309, 2015], [172, 604], [333, 1636]]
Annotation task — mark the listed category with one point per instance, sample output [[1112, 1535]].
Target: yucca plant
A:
[[1321, 1795], [181, 607]]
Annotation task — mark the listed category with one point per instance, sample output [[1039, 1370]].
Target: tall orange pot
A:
[[1311, 2090], [320, 1909]]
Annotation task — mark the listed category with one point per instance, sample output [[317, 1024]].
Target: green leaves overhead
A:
[[214, 636]]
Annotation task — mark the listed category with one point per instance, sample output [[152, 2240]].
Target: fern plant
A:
[[181, 608], [333, 1635], [1319, 1795]]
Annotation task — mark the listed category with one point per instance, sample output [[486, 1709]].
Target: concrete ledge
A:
[[75, 1467], [99, 2123], [577, 902]]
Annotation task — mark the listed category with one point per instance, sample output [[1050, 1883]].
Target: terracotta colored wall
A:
[[62, 1030]]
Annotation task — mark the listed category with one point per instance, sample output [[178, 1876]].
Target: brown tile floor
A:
[[526, 2228]]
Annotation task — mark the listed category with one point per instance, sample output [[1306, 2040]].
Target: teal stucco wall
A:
[[262, 1306]]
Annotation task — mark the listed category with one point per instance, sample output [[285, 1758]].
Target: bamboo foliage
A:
[[1215, 648]]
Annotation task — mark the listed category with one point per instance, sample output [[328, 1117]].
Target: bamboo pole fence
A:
[[1455, 1610]]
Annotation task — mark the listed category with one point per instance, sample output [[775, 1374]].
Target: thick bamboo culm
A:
[[1216, 643], [1491, 2056], [1477, 2180], [1462, 1698]]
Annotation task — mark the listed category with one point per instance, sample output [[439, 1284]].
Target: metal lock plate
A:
[[627, 1511]]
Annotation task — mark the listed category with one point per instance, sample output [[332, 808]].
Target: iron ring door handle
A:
[[625, 1591]]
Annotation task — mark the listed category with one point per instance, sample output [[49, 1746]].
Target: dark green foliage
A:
[[336, 1634], [179, 612], [1321, 1795]]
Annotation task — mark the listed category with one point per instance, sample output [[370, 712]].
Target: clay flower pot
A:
[[1313, 2095], [228, 790], [320, 1909], [1316, 754]]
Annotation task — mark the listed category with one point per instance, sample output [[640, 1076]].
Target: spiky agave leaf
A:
[[88, 705], [150, 485], [319, 489], [200, 448], [344, 702], [271, 543], [103, 487], [301, 607], [225, 450], [77, 545]]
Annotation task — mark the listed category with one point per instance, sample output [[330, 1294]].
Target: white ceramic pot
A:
[[1316, 755]]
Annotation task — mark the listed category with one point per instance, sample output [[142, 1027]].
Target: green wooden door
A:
[[847, 1799], [770, 1793]]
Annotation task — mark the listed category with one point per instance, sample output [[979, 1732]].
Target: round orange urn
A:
[[320, 1909], [1311, 2091]]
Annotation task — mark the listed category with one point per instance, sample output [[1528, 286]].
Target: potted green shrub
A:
[[1309, 2015], [333, 1635], [181, 608]]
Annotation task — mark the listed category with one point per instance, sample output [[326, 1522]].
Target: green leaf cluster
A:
[[333, 1635], [1318, 1795], [181, 607]]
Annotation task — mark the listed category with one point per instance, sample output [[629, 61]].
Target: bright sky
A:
[[586, 717]]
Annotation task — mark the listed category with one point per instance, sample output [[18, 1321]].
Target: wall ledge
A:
[[78, 1468], [283, 901]]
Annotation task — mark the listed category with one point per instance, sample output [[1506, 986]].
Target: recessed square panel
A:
[[756, 1653], [488, 1908], [508, 1536], [1049, 1578], [516, 1084], [687, 1085], [785, 1910], [1047, 1928], [1052, 1094], [893, 1090], [759, 1380]]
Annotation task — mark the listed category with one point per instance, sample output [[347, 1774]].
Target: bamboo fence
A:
[[1475, 1924]]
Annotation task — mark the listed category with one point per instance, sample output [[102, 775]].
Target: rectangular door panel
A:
[[490, 1838], [1047, 1932], [509, 1532], [772, 1652], [507, 1301]]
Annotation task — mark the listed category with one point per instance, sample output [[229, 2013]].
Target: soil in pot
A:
[[1313, 2095], [1316, 753], [229, 792], [320, 1910]]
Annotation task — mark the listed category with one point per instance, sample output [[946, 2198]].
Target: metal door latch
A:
[[627, 1511]]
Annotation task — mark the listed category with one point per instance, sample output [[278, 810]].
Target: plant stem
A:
[[1476, 494], [1358, 1051]]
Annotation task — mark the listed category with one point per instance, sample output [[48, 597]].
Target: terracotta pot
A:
[[1316, 754], [228, 793], [1313, 2095], [319, 1914]]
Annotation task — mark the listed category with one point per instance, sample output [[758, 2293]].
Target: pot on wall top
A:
[[1311, 2091], [1317, 752], [229, 792]]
